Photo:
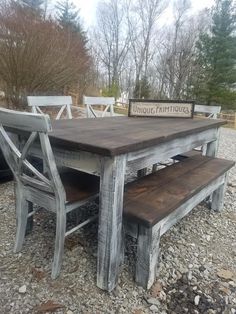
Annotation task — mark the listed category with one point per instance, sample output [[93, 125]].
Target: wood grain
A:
[[155, 196], [24, 121], [112, 136]]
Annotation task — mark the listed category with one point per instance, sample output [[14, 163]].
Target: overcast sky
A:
[[88, 8]]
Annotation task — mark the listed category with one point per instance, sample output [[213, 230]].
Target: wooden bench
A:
[[154, 203]]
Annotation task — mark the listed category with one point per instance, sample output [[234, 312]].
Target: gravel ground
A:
[[197, 272]]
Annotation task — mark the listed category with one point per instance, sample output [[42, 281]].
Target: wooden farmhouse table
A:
[[106, 147]]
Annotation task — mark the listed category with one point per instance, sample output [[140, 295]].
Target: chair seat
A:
[[79, 185]]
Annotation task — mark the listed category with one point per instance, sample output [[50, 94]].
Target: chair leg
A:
[[59, 243], [122, 247], [30, 221], [21, 220], [147, 255]]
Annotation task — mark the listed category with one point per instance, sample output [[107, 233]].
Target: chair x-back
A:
[[211, 111], [106, 102], [57, 192], [63, 103]]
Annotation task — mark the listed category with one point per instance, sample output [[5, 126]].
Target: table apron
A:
[[91, 163], [79, 160], [151, 155]]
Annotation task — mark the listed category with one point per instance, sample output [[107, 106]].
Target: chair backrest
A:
[[212, 111], [30, 127], [64, 103], [107, 102]]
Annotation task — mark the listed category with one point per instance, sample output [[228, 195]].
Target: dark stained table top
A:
[[112, 136]]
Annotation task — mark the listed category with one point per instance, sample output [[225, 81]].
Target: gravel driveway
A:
[[197, 263]]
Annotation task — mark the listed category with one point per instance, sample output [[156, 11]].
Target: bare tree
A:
[[111, 39], [175, 56], [36, 56], [142, 22], [137, 51]]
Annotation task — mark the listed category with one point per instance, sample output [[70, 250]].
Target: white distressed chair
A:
[[211, 111], [89, 102], [57, 192], [64, 103]]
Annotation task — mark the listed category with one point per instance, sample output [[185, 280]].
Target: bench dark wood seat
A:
[[156, 202]]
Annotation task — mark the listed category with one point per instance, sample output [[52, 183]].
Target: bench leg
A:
[[217, 202], [147, 255]]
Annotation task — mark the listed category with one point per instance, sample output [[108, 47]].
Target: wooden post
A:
[[110, 221]]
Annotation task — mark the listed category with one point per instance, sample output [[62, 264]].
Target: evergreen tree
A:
[[216, 82], [68, 16]]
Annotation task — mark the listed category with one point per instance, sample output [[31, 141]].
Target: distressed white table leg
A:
[[211, 148], [110, 221]]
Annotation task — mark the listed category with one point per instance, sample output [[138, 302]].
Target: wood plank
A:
[[161, 193], [167, 222], [166, 175], [43, 101], [131, 227], [112, 136], [26, 121], [90, 100], [39, 197]]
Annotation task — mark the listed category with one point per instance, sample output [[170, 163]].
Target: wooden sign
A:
[[161, 108]]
